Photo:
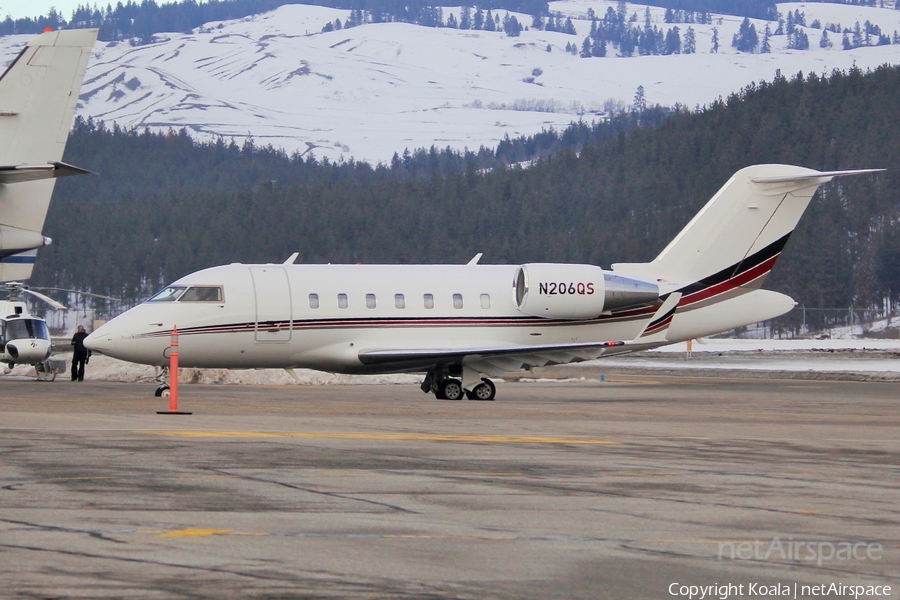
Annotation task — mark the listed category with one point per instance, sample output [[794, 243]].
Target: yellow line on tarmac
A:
[[424, 437], [191, 532]]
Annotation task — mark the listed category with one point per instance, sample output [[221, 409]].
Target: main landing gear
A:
[[443, 382]]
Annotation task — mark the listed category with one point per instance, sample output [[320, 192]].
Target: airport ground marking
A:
[[196, 532], [421, 437]]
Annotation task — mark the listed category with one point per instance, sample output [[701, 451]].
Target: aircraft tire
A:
[[451, 389], [486, 390], [162, 391]]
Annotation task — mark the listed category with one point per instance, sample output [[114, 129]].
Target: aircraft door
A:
[[274, 318]]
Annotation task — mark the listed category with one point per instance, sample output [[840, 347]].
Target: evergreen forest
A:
[[163, 205], [141, 20]]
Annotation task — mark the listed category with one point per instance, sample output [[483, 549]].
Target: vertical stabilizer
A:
[[38, 95], [736, 238]]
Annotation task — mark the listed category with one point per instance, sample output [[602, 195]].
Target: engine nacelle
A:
[[561, 291]]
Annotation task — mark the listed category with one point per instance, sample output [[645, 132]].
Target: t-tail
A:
[[723, 255], [38, 95]]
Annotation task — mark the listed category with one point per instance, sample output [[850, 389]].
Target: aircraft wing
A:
[[497, 360], [494, 360]]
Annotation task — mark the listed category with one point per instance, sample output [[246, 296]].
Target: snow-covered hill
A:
[[370, 91]]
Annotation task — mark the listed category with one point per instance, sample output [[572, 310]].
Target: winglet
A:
[[658, 327], [290, 260], [475, 259]]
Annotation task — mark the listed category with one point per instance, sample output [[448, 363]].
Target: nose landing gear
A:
[[162, 377]]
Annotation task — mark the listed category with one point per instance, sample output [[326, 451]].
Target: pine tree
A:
[[465, 18], [673, 41], [690, 42], [640, 100], [621, 10], [586, 48], [489, 24], [745, 40], [478, 21], [824, 42], [766, 47]]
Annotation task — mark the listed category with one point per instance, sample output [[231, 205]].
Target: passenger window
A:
[[314, 301], [485, 301], [342, 300], [370, 300], [399, 301], [429, 301], [457, 301], [202, 294]]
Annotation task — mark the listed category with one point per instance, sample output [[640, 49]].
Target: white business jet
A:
[[462, 323], [38, 96]]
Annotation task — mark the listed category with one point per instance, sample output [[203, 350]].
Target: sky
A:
[[32, 8]]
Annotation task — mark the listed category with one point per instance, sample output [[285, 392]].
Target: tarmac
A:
[[612, 489]]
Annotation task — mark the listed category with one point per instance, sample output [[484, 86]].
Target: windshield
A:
[[170, 294], [20, 329]]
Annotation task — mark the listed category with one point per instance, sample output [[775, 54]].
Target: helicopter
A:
[[25, 338]]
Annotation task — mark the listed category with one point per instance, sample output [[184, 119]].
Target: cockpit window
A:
[[196, 293], [170, 294], [206, 293], [22, 329]]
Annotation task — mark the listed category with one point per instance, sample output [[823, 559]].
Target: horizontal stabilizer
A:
[[824, 175], [21, 173]]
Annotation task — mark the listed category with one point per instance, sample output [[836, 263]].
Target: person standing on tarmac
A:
[[81, 354]]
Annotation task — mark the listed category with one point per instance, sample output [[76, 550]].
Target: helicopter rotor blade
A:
[[78, 292], [47, 299]]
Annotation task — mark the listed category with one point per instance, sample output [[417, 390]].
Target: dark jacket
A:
[[78, 342]]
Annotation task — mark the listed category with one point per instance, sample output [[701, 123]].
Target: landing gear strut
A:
[[443, 381], [162, 377]]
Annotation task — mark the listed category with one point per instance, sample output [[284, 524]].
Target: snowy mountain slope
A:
[[370, 91]]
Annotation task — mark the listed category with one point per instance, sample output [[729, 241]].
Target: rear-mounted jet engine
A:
[[560, 291]]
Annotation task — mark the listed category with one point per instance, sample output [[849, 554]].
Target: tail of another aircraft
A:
[[38, 96], [733, 242]]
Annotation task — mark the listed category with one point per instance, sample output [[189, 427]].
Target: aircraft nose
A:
[[102, 340], [28, 351]]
